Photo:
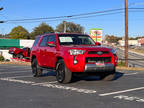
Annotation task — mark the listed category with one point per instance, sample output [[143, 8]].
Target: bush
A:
[[1, 58], [121, 63], [7, 60]]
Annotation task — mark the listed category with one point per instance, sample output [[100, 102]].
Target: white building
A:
[[130, 42]]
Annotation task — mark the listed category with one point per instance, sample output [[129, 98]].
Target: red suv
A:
[[71, 53]]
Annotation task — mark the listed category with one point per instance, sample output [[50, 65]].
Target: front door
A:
[[51, 52]]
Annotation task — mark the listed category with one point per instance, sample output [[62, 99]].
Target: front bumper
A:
[[90, 63], [96, 68]]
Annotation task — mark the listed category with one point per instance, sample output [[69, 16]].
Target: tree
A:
[[43, 28], [112, 38], [19, 32], [4, 36], [1, 35], [70, 27]]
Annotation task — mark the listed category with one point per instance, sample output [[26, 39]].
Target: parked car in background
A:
[[70, 54], [20, 52]]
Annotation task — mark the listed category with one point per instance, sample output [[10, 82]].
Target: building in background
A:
[[96, 34], [19, 43], [130, 42], [5, 44], [141, 41]]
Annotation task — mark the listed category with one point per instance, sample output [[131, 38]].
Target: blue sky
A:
[[111, 24]]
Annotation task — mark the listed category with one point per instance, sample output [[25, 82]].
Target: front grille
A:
[[98, 59], [98, 52]]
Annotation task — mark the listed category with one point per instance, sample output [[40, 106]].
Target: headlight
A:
[[76, 52], [113, 51]]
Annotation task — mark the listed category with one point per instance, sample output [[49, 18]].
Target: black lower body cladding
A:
[[97, 68]]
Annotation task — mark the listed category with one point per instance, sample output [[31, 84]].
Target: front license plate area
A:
[[100, 64]]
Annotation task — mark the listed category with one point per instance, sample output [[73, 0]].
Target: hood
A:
[[87, 47]]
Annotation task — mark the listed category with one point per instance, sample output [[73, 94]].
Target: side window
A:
[[44, 41], [25, 49], [52, 38], [36, 41]]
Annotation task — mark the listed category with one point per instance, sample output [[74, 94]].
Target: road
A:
[[18, 89], [136, 60]]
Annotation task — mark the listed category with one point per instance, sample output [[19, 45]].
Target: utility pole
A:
[[126, 33], [96, 35], [64, 22]]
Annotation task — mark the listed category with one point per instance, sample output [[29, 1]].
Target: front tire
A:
[[36, 70], [20, 56], [63, 74]]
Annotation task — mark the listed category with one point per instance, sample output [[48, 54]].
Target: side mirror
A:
[[98, 43], [51, 43]]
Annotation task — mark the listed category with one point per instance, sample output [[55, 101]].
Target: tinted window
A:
[[36, 41], [52, 38], [44, 41]]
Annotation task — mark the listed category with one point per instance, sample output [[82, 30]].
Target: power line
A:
[[36, 19], [136, 8], [68, 18], [76, 16], [91, 13]]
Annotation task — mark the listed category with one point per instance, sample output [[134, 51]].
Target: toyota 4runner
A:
[[72, 53]]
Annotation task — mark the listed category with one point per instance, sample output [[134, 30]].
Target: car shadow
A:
[[78, 78], [117, 76], [49, 73]]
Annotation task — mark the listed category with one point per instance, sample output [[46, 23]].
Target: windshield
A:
[[72, 39]]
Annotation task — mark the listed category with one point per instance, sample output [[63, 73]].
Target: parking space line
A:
[[18, 81], [45, 83], [129, 98], [14, 72], [21, 76], [39, 83], [122, 91], [86, 91], [53, 82], [131, 73]]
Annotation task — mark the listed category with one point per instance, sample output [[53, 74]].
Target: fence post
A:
[[1, 53]]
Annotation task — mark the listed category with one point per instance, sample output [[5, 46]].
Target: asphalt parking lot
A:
[[18, 89]]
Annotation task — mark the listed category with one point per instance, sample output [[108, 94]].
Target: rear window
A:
[[36, 41]]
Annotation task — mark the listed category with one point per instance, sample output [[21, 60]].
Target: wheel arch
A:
[[20, 53], [32, 58], [58, 58]]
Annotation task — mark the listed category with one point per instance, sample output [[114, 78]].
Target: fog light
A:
[[75, 61]]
